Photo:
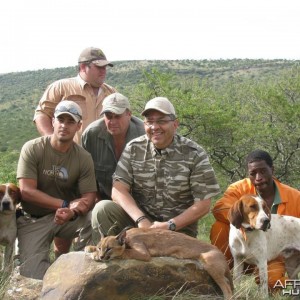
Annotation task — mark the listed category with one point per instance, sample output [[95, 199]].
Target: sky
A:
[[43, 34]]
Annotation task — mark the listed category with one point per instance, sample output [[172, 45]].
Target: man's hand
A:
[[160, 225], [145, 223], [63, 215], [80, 206], [84, 204]]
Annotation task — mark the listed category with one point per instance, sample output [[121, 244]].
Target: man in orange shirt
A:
[[281, 199]]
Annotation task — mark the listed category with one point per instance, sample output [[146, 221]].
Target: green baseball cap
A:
[[95, 56]]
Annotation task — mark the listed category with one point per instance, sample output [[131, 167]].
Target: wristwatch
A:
[[172, 225]]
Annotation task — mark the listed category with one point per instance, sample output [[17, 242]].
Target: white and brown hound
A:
[[9, 197], [257, 237]]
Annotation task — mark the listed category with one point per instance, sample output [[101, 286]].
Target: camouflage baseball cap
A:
[[115, 103], [94, 55], [161, 104], [70, 108]]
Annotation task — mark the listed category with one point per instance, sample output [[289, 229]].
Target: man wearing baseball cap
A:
[[70, 108], [87, 89], [162, 180], [106, 138], [58, 186]]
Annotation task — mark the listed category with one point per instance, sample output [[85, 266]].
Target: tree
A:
[[231, 120]]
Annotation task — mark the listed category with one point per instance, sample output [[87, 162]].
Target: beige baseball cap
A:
[[115, 103], [161, 104], [95, 56], [70, 108]]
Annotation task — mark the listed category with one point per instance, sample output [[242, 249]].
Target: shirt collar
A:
[[81, 81], [277, 199], [169, 150]]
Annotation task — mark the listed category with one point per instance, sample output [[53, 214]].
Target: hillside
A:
[[20, 92], [213, 98]]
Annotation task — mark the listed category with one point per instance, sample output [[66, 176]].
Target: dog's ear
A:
[[102, 235], [235, 214], [15, 192]]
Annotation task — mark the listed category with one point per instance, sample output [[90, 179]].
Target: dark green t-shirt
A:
[[62, 175]]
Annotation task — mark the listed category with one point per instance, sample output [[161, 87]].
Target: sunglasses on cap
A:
[[71, 110]]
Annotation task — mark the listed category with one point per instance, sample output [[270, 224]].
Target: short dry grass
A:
[[247, 289]]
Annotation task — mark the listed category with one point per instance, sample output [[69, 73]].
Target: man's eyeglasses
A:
[[70, 110], [149, 123]]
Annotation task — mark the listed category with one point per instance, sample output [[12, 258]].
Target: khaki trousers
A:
[[109, 218], [35, 237]]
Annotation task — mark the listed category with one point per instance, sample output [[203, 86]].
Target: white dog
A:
[[257, 237]]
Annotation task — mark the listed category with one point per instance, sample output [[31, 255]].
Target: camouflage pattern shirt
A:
[[165, 183]]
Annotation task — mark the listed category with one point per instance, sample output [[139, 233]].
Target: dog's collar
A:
[[248, 229]]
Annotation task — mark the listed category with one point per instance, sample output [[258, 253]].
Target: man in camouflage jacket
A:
[[162, 180]]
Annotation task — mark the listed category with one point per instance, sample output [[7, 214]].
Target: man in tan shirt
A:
[[87, 89]]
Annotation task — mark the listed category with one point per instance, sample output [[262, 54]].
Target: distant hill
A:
[[228, 106], [21, 91]]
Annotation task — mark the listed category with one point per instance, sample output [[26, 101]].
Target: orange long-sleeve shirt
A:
[[290, 199]]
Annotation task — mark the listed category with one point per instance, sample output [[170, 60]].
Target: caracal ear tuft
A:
[[121, 237]]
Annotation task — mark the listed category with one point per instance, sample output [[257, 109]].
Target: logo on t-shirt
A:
[[57, 172]]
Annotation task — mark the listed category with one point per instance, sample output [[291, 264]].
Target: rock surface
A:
[[22, 288], [75, 276]]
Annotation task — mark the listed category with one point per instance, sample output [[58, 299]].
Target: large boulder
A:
[[76, 276]]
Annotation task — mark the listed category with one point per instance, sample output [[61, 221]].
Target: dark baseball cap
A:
[[95, 56]]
